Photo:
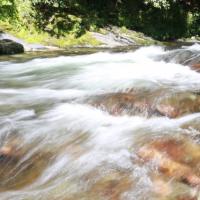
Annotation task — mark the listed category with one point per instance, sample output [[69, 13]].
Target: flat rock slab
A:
[[113, 40]]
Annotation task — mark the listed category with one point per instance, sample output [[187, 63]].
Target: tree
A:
[[161, 19]]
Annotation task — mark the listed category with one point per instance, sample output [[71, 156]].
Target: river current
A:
[[59, 140]]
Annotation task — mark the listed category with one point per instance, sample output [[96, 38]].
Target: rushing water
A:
[[61, 146]]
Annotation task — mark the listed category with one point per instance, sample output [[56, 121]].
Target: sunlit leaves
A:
[[158, 3], [5, 3]]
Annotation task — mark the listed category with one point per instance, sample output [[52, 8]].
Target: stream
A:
[[101, 126]]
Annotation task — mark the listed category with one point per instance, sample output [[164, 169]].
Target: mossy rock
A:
[[9, 47]]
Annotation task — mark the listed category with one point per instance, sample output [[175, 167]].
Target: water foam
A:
[[37, 104]]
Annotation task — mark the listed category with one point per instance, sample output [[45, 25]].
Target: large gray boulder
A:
[[9, 47]]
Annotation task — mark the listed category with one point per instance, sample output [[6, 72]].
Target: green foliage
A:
[[55, 17], [165, 24], [161, 19], [7, 9], [194, 24]]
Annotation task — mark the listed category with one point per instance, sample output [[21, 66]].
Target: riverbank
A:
[[108, 37], [111, 37]]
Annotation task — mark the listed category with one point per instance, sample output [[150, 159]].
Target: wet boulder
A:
[[178, 104], [9, 47], [187, 57], [181, 56], [154, 104], [167, 110], [123, 104]]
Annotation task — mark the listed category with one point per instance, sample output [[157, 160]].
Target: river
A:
[[82, 126]]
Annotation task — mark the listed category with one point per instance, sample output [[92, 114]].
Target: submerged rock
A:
[[187, 198], [17, 162], [177, 159], [10, 150], [177, 105], [9, 47], [112, 186], [196, 67]]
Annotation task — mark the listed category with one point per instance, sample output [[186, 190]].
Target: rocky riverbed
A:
[[103, 125]]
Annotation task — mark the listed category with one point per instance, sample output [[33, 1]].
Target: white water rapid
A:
[[66, 148]]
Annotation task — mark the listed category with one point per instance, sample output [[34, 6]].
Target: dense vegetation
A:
[[7, 9], [161, 19]]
